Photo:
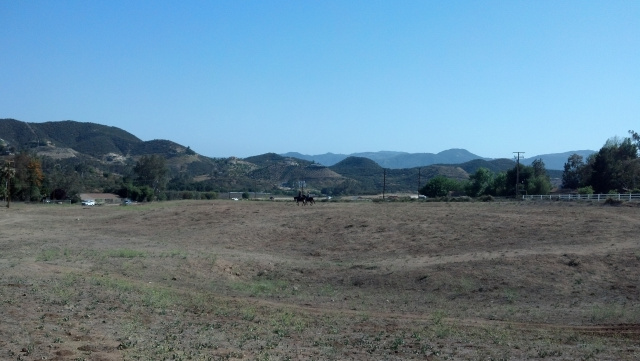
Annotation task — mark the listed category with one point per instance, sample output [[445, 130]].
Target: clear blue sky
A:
[[242, 78]]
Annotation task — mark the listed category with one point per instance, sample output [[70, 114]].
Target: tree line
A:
[[615, 168], [521, 179], [22, 178]]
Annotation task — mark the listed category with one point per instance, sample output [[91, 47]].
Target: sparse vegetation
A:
[[361, 280]]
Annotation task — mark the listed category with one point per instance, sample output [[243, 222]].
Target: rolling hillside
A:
[[96, 149]]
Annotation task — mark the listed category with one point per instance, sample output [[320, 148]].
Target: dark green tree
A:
[[532, 179], [151, 171], [522, 175], [479, 183], [539, 169], [440, 186], [541, 183], [613, 167], [498, 186], [635, 137], [572, 174]]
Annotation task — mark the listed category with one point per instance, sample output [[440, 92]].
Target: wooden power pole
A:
[[518, 173]]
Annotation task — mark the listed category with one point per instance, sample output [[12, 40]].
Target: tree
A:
[[498, 186], [64, 182], [440, 186], [533, 179], [520, 173], [635, 137], [572, 174], [8, 173], [35, 178], [479, 183], [539, 170], [28, 177], [541, 183], [151, 171], [614, 168]]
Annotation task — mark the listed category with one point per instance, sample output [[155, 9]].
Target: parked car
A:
[[89, 202]]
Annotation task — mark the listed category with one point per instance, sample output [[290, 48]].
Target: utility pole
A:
[[384, 181], [419, 169], [518, 173]]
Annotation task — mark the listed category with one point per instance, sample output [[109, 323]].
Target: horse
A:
[[299, 199], [310, 200]]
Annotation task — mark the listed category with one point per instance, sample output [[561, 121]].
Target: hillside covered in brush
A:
[[92, 157]]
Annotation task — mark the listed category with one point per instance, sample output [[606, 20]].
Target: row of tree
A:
[[521, 179], [23, 179], [615, 168]]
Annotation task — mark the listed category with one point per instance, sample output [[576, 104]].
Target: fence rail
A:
[[584, 197]]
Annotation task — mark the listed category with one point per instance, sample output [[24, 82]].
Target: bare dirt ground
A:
[[260, 280]]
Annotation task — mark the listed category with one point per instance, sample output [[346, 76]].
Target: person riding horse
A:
[[300, 198], [309, 199]]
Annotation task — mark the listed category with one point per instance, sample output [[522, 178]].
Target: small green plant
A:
[[126, 253], [397, 342], [585, 190], [158, 297], [261, 287], [249, 314], [438, 316], [510, 295]]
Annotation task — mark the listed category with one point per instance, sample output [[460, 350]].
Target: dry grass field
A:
[[260, 280]]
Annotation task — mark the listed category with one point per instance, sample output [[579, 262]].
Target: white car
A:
[[89, 202]]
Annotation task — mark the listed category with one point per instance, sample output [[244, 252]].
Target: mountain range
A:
[[105, 150], [398, 160]]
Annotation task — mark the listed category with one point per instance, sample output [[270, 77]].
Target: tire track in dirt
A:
[[580, 250], [628, 330]]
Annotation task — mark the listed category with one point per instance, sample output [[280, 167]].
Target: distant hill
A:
[[88, 138], [494, 165], [394, 160], [371, 175], [399, 160], [104, 148], [327, 159]]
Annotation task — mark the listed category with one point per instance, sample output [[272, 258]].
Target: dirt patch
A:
[[362, 280]]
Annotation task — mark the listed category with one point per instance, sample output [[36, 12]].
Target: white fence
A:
[[585, 197]]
